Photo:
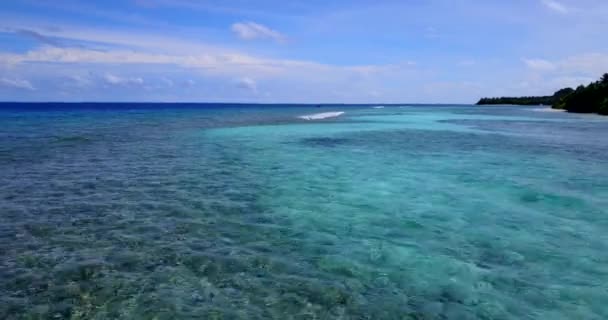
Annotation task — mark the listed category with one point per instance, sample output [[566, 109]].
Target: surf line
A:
[[321, 116]]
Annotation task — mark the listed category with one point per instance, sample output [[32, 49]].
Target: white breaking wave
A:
[[323, 115], [547, 110], [378, 107]]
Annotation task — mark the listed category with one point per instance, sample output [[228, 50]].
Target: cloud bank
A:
[[386, 51], [16, 84]]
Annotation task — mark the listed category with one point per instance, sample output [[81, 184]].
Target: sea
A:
[[236, 211]]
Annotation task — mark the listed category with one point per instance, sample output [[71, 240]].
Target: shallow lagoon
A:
[[252, 212]]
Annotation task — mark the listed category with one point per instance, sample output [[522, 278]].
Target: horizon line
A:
[[236, 103]]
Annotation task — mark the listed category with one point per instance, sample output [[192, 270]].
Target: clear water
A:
[[249, 212]]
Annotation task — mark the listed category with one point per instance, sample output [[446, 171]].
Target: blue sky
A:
[[416, 51]]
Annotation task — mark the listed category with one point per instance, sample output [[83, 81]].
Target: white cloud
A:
[[128, 53], [555, 6], [116, 80], [254, 31], [108, 39], [539, 64], [547, 76], [593, 64], [588, 64], [220, 64], [16, 84], [248, 84]]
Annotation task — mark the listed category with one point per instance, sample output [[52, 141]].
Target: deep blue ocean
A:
[[188, 211]]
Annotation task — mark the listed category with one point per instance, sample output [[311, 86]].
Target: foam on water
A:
[[548, 109], [322, 115]]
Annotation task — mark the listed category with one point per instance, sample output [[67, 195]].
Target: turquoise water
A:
[[249, 212]]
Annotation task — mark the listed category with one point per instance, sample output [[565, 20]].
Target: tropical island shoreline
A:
[[592, 98]]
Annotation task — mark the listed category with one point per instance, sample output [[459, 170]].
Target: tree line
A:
[[592, 98]]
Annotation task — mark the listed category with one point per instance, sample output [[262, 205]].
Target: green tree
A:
[[592, 98]]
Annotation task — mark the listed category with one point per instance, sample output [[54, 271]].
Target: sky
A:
[[299, 51]]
